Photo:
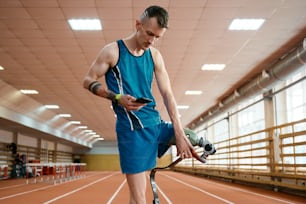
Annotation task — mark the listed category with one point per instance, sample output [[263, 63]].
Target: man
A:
[[128, 66]]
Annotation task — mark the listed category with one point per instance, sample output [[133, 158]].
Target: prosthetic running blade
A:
[[208, 149]]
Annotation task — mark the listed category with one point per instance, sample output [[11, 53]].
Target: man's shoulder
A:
[[156, 55], [154, 49], [154, 52], [111, 46], [110, 53]]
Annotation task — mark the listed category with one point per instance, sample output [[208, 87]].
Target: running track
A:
[[111, 187]]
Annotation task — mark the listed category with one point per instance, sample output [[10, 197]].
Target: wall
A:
[[104, 156], [33, 147], [6, 136], [100, 162], [110, 162]]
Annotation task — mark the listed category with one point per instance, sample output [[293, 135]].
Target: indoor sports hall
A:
[[237, 70]]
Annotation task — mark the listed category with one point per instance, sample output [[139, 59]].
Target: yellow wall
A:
[[104, 162], [165, 160], [110, 162]]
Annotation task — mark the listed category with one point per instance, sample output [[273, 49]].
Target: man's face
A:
[[148, 32]]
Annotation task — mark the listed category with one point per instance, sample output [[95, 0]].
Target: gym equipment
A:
[[208, 149]]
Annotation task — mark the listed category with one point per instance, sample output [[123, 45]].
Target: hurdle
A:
[[54, 172], [3, 171]]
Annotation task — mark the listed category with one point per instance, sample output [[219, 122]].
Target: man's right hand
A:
[[129, 103]]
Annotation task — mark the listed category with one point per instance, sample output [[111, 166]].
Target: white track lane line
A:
[[164, 195], [121, 186], [198, 189], [117, 191], [13, 186], [26, 192], [161, 192], [250, 192], [31, 191], [78, 189]]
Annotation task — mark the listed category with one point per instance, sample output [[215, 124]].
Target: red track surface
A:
[[111, 187]]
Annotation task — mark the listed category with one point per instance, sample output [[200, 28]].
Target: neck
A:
[[133, 45]]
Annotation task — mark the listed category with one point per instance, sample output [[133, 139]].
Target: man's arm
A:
[[107, 58], [97, 70], [163, 82]]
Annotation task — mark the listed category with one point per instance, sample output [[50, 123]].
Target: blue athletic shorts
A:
[[139, 149]]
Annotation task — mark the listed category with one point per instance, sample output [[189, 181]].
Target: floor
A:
[[111, 187]]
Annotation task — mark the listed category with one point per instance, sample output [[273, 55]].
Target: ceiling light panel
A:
[[28, 91], [182, 107], [85, 24], [75, 122], [52, 106], [193, 92], [64, 115], [213, 67], [246, 24]]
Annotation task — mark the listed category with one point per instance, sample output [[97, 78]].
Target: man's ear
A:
[[137, 25]]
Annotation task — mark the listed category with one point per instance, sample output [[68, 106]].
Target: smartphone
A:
[[143, 100]]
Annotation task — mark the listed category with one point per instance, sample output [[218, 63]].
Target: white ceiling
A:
[[39, 51]]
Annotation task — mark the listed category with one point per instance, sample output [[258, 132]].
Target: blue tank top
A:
[[133, 75]]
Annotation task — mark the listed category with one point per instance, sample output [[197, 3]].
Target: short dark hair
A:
[[156, 11]]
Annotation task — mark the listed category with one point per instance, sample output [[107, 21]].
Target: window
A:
[[252, 118], [296, 99]]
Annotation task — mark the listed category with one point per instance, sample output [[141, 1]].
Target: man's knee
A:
[[191, 135], [195, 140]]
